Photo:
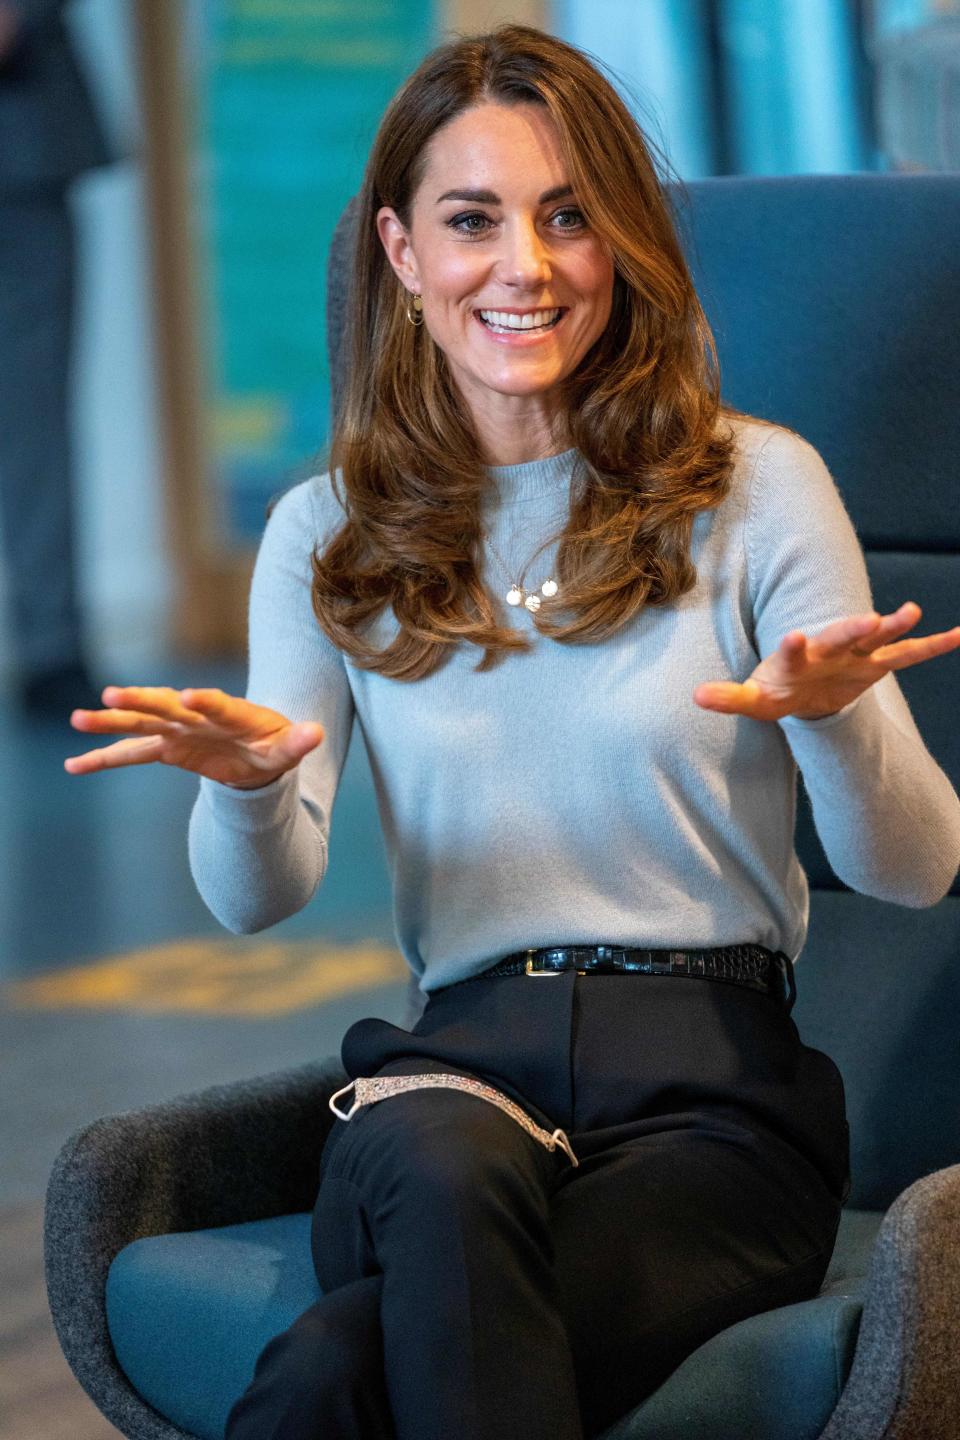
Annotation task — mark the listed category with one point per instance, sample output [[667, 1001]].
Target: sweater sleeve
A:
[[258, 856], [887, 815]]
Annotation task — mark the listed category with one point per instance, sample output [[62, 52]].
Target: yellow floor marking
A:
[[215, 977]]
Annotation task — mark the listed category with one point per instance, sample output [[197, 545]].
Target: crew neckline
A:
[[529, 479]]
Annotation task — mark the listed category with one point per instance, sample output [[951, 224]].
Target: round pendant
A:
[[514, 596], [549, 587], [532, 602]]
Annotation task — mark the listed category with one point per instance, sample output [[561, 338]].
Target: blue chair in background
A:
[[178, 1237]]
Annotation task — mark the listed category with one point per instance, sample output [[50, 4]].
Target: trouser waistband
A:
[[753, 966]]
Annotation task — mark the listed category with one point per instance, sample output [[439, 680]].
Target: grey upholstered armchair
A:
[[177, 1238]]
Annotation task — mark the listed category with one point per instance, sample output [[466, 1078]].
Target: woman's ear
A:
[[399, 251]]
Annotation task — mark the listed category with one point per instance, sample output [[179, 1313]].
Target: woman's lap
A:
[[711, 1175], [658, 1240]]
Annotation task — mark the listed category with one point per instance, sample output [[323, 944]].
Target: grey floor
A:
[[118, 988]]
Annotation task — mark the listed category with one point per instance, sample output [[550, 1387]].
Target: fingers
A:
[[793, 650], [158, 707], [911, 652], [864, 634], [219, 708], [853, 632], [730, 698], [896, 623], [161, 700], [304, 736], [715, 694], [168, 725], [108, 721], [127, 706], [295, 742], [110, 757], [152, 710], [858, 636], [208, 702]]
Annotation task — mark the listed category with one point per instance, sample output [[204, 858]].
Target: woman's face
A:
[[518, 245]]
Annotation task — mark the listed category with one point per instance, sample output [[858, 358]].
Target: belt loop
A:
[[785, 966]]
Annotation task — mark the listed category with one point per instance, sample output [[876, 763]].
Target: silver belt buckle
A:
[[539, 974], [543, 974]]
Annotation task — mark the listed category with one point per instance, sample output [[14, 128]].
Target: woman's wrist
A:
[[260, 785]]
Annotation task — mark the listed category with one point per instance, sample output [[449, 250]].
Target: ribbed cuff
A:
[[795, 722], [260, 809]]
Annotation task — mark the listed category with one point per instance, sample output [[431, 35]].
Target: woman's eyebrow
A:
[[487, 197]]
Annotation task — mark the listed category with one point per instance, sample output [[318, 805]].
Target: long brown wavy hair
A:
[[641, 407]]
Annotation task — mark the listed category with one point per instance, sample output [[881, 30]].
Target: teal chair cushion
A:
[[189, 1314]]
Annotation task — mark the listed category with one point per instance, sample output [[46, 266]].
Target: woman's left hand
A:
[[814, 677]]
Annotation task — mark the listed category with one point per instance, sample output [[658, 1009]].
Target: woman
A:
[[603, 1140]]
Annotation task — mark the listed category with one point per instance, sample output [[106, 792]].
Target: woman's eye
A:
[[461, 222], [458, 222], [571, 210]]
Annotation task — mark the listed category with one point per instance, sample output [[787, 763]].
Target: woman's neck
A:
[[522, 451], [509, 439]]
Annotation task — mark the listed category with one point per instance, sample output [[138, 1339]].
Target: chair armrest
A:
[[904, 1383], [242, 1151]]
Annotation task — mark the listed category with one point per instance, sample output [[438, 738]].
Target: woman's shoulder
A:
[[774, 464], [753, 436], [791, 511], [307, 508]]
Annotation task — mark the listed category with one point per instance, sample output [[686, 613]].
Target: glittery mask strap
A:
[[381, 1087]]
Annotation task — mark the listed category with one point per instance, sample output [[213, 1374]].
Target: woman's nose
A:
[[526, 256]]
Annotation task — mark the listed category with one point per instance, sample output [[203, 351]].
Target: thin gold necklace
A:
[[516, 595]]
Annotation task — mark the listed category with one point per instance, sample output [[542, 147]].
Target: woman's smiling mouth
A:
[[520, 329]]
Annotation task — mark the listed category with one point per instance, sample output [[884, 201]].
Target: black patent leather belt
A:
[[751, 965]]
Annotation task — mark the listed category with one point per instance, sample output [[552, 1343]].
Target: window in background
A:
[[287, 100], [915, 47], [742, 87]]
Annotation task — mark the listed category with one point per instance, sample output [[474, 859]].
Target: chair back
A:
[[834, 302]]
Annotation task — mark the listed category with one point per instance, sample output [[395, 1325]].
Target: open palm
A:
[[208, 732], [812, 677]]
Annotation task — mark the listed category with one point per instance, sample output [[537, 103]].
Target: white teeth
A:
[[519, 322]]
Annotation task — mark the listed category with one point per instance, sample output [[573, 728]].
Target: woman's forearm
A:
[[887, 815], [256, 856]]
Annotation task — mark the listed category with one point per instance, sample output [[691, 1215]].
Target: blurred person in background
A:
[[49, 134]]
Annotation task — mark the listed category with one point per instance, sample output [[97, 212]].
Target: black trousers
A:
[[479, 1285]]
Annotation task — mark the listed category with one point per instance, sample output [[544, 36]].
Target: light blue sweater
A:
[[577, 793]]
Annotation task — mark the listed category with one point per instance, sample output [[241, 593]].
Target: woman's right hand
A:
[[206, 731]]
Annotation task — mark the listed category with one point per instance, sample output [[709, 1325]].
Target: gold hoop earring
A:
[[417, 317]]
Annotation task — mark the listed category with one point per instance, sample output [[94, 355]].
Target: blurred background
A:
[[166, 209]]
